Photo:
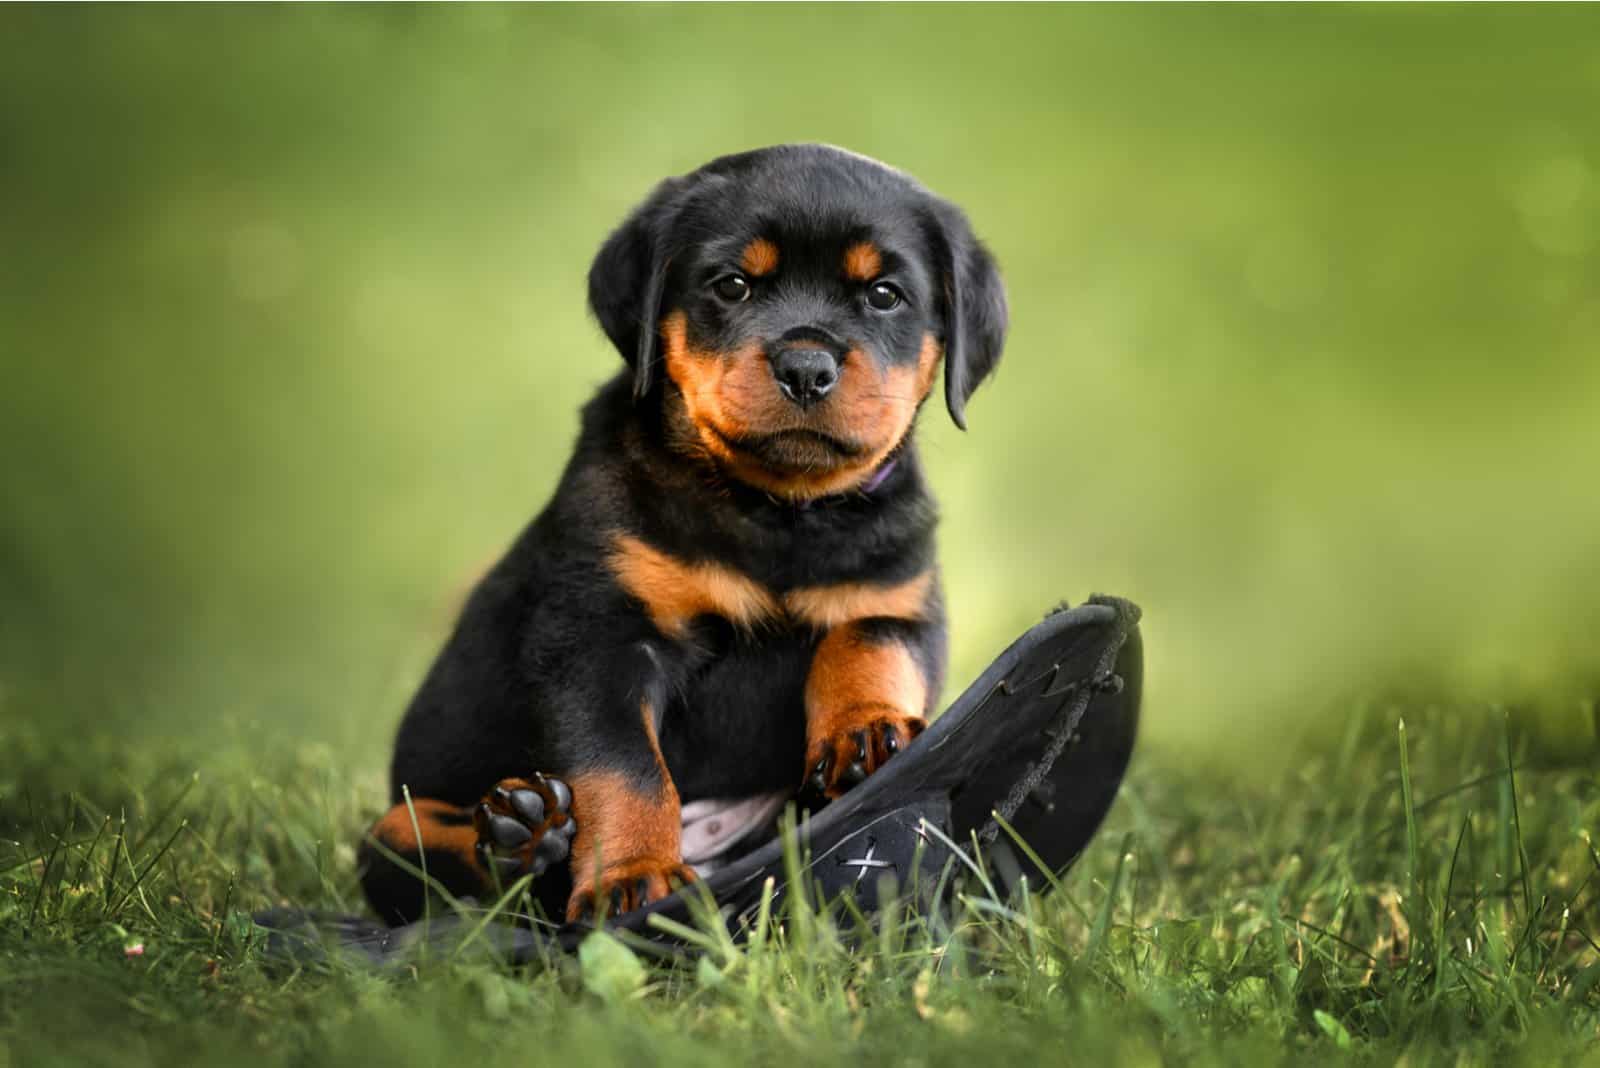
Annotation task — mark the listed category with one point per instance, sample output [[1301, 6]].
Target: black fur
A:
[[551, 657]]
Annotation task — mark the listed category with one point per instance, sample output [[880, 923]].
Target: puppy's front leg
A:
[[628, 847], [867, 696]]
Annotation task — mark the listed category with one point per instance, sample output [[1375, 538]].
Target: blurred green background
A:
[[1306, 307]]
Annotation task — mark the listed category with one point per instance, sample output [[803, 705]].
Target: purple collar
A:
[[880, 476], [873, 483]]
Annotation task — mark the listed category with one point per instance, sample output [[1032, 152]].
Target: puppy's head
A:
[[788, 308]]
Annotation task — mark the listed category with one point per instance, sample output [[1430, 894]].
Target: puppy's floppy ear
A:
[[627, 278], [975, 313]]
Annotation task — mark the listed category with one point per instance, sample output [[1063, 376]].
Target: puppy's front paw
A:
[[628, 885], [854, 745], [524, 826]]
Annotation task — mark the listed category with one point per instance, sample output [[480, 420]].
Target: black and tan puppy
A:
[[733, 592]]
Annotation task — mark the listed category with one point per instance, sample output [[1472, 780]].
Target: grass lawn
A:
[[1403, 893]]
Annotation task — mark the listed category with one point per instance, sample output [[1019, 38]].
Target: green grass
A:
[[1419, 890]]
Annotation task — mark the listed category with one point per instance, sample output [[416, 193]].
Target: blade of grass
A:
[[118, 845], [1516, 817], [1102, 922], [422, 854], [44, 881], [758, 937], [1442, 910], [137, 888], [1027, 850], [682, 931], [1413, 841], [960, 855]]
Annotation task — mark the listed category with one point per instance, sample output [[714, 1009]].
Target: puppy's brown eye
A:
[[883, 297], [733, 288]]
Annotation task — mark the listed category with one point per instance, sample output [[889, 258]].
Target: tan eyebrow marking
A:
[[760, 257], [862, 262]]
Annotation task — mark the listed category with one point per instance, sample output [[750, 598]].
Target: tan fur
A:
[[396, 831], [675, 591], [625, 834], [850, 673], [854, 685], [824, 607], [760, 258], [862, 262]]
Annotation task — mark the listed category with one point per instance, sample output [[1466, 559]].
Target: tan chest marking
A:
[[825, 607], [674, 592]]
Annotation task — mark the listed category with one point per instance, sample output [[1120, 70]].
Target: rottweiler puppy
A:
[[733, 592]]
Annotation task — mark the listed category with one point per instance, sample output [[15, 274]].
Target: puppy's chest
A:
[[675, 591]]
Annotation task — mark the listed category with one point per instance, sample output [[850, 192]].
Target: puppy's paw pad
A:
[[524, 826]]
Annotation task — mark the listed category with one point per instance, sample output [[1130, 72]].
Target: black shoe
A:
[[1040, 741]]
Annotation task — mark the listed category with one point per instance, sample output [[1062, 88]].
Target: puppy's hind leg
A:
[[521, 826]]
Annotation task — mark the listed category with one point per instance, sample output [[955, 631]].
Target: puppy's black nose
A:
[[805, 374]]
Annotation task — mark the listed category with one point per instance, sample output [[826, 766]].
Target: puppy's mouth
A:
[[796, 449]]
